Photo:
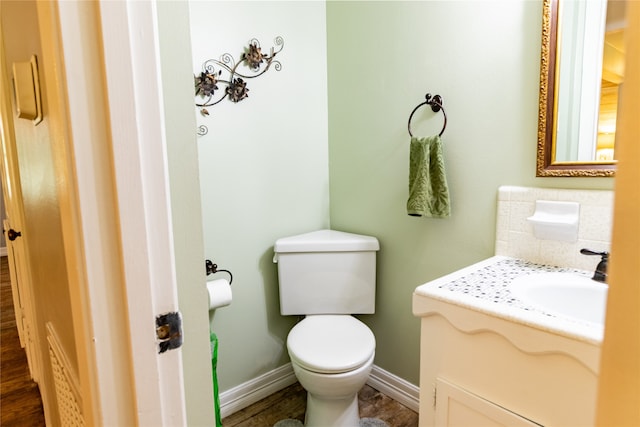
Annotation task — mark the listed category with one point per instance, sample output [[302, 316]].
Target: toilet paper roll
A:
[[219, 293]]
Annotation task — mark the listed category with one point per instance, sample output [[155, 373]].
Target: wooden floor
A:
[[291, 403], [20, 403]]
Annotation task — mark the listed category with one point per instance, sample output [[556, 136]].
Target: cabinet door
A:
[[456, 407]]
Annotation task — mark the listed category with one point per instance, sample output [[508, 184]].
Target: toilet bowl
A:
[[332, 357]]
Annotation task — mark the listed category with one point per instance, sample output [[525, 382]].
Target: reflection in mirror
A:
[[581, 74], [612, 79]]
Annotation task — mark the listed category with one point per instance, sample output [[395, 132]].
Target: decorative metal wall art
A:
[[221, 79]]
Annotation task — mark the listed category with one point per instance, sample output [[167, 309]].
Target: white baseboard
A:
[[3, 251], [248, 393], [398, 389]]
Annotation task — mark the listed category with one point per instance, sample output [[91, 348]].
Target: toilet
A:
[[327, 276]]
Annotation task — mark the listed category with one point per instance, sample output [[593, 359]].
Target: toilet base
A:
[[332, 412]]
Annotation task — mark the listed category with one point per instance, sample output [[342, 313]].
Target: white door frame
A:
[[132, 63], [118, 207]]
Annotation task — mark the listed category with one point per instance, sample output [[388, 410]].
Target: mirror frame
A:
[[545, 165]]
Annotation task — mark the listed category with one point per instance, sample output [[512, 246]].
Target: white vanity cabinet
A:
[[480, 367]]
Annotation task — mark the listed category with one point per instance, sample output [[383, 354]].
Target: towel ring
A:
[[436, 105]]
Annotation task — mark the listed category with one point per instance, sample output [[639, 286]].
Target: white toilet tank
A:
[[327, 272]]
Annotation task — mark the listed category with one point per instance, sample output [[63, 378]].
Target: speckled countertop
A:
[[484, 287]]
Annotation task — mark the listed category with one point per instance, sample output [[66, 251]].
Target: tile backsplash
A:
[[514, 234]]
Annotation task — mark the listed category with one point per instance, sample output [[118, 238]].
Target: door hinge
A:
[[169, 331], [435, 395]]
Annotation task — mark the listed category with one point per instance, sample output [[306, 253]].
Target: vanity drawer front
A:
[[457, 407]]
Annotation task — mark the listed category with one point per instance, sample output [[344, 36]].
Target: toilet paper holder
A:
[[212, 268]]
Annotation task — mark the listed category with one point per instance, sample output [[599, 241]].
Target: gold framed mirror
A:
[[576, 122]]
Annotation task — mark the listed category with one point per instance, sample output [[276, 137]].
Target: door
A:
[[104, 110], [144, 117], [13, 226], [118, 234]]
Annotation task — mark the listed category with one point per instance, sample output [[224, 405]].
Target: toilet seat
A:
[[331, 344]]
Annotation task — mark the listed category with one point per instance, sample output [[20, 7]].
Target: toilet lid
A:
[[331, 344]]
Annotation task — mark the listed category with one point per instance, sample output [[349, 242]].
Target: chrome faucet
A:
[[600, 274]]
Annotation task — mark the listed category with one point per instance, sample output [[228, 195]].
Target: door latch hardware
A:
[[13, 234], [169, 331]]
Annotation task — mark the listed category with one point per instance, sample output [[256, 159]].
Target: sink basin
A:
[[564, 294]]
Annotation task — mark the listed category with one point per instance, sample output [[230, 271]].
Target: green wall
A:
[[263, 169], [324, 142], [482, 57]]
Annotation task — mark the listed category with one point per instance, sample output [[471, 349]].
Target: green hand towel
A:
[[428, 190]]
